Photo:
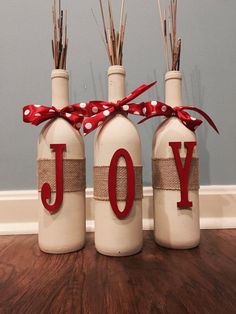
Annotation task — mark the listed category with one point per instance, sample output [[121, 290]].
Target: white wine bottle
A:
[[176, 202], [61, 178], [115, 236]]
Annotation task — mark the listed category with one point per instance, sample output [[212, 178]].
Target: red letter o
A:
[[130, 183]]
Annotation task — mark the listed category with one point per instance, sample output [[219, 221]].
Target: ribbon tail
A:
[[138, 91], [204, 114], [91, 123]]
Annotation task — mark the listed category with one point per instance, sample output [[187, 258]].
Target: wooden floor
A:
[[202, 280]]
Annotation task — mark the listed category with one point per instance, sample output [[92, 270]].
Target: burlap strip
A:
[[165, 175], [73, 174], [100, 178]]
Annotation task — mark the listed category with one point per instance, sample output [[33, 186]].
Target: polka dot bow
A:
[[99, 111], [36, 114], [154, 109]]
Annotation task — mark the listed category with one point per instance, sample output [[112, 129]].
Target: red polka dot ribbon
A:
[[99, 111], [36, 114], [96, 112], [154, 109]]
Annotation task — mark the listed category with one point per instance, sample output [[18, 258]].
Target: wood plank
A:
[[157, 280]]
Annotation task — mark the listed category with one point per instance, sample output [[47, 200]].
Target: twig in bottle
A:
[[120, 28], [103, 21], [114, 39], [100, 33], [163, 34], [60, 40], [165, 40], [171, 27]]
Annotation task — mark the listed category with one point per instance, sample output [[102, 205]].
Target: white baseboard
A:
[[18, 209]]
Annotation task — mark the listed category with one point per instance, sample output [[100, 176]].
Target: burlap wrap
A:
[[73, 174], [165, 175], [100, 179]]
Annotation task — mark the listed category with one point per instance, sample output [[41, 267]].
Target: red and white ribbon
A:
[[100, 111], [155, 108], [36, 114], [94, 113]]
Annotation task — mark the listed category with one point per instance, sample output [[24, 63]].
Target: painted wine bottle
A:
[[175, 176], [117, 178], [61, 178]]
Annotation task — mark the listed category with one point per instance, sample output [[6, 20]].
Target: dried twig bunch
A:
[[172, 45], [113, 39], [60, 40]]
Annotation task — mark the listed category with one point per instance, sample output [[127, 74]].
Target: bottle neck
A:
[[60, 89], [116, 83], [173, 88]]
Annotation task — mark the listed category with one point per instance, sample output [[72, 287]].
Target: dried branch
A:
[[60, 40], [174, 46], [113, 39]]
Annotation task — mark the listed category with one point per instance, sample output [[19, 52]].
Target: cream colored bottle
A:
[[113, 236], [63, 231], [174, 227]]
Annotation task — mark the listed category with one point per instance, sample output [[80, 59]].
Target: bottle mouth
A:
[[116, 69], [59, 73], [173, 75]]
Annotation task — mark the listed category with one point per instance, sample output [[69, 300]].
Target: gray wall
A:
[[208, 30]]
